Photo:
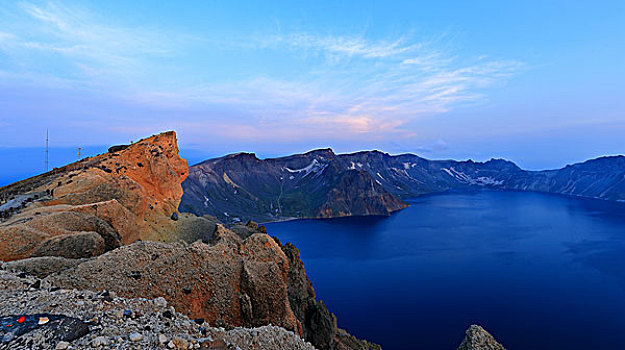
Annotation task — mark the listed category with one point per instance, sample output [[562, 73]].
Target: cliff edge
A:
[[110, 223]]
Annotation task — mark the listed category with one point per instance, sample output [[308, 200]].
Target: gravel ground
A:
[[120, 323]]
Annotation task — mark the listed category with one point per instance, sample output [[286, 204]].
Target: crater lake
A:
[[538, 271]]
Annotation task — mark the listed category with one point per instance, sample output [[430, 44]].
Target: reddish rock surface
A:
[[121, 196]]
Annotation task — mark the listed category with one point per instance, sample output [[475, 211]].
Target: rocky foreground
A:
[[39, 315], [98, 320], [110, 222], [96, 255]]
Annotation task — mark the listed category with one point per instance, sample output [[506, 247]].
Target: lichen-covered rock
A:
[[477, 338], [73, 246]]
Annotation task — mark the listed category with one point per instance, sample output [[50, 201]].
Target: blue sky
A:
[[538, 82]]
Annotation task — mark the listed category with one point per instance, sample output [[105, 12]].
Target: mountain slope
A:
[[313, 184], [322, 184]]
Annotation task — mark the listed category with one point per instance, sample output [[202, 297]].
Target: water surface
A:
[[538, 271]]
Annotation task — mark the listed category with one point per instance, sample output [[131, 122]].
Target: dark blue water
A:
[[538, 271]]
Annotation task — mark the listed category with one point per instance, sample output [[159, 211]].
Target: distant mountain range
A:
[[322, 184]]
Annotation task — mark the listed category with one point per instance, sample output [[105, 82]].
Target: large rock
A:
[[477, 338], [122, 196], [42, 266], [72, 246], [231, 282]]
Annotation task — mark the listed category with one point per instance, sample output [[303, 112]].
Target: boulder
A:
[[42, 266], [72, 246], [477, 338]]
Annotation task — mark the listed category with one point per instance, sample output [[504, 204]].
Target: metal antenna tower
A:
[[46, 162]]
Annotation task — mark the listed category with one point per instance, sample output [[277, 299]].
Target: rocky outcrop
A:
[[244, 279], [230, 282], [477, 338], [43, 266], [96, 204], [357, 194]]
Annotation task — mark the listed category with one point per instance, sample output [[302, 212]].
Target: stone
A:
[[162, 338], [160, 302], [98, 201], [99, 341], [62, 345], [8, 337], [117, 148], [42, 266], [135, 337], [72, 246], [180, 343]]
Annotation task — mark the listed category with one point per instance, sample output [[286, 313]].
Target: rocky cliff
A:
[[111, 223], [96, 204], [234, 278], [322, 184], [37, 315]]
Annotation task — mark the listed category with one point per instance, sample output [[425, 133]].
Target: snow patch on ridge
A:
[[314, 167], [353, 166], [479, 181]]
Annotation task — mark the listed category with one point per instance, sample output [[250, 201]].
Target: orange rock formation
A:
[[98, 203]]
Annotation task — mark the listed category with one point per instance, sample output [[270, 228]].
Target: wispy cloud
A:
[[77, 45], [339, 45], [342, 86], [366, 88]]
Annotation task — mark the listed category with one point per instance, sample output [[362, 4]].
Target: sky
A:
[[537, 82]]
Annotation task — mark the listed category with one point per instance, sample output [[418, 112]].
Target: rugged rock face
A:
[[319, 325], [96, 204], [315, 184], [477, 338], [236, 279], [322, 184], [232, 282], [357, 193]]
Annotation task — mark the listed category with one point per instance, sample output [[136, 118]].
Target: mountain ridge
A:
[[310, 182]]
